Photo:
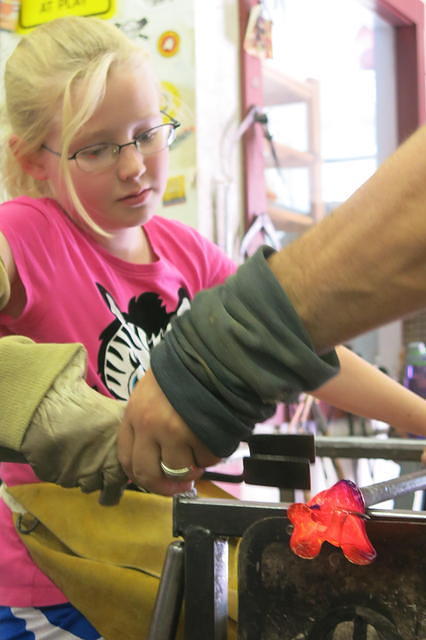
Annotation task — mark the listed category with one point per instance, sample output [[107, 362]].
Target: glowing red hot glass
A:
[[335, 516]]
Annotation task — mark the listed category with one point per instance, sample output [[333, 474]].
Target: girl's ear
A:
[[31, 163]]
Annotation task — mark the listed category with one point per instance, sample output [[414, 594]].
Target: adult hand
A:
[[153, 432]]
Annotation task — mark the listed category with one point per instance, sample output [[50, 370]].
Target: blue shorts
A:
[[60, 622]]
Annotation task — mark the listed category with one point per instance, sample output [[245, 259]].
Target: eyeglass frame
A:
[[173, 122]]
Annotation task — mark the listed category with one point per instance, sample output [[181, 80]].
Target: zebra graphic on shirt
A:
[[126, 343]]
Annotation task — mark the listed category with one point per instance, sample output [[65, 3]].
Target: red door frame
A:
[[408, 18]]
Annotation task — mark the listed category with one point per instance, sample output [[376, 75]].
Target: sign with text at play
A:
[[36, 12]]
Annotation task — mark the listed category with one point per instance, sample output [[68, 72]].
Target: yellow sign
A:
[[175, 191], [36, 12]]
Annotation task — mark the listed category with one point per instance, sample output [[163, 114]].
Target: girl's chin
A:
[[138, 219]]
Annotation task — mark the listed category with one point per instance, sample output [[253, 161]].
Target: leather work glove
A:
[[71, 439], [66, 431]]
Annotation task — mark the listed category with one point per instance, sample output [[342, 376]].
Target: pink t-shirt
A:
[[77, 292]]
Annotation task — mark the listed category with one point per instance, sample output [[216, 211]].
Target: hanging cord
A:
[[262, 118]]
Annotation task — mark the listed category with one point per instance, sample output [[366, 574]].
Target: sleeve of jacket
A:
[[240, 349], [27, 372]]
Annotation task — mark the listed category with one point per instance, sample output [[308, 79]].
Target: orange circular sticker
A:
[[168, 43]]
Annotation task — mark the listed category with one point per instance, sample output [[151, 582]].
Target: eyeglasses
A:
[[97, 157]]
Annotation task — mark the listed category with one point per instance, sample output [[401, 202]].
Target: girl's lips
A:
[[137, 198]]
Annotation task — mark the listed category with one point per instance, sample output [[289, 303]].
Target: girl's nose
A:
[[131, 163]]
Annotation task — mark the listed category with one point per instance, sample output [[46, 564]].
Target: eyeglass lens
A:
[[101, 156]]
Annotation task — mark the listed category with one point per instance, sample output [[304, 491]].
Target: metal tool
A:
[[389, 489], [399, 449], [276, 460]]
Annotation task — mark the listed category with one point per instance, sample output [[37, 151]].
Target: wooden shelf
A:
[[287, 220], [288, 157], [281, 89]]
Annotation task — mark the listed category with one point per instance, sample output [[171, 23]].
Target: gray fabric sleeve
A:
[[239, 350]]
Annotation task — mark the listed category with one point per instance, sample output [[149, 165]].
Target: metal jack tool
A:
[[389, 489], [276, 460]]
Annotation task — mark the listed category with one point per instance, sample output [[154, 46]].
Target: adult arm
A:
[[152, 429], [208, 365], [361, 267], [365, 264]]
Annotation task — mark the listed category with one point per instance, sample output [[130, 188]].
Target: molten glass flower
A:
[[335, 516]]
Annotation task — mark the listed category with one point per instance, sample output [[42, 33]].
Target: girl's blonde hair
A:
[[40, 80]]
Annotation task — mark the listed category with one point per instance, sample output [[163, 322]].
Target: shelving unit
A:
[[287, 220], [279, 89]]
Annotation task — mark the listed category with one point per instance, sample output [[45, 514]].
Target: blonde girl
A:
[[86, 255]]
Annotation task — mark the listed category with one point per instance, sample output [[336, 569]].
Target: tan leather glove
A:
[[71, 439]]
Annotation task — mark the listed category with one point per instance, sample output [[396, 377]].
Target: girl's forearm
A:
[[362, 389]]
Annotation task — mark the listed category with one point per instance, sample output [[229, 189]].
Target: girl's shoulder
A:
[[28, 212], [36, 204], [33, 226], [189, 250]]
